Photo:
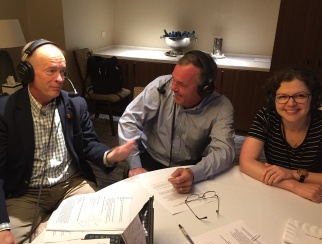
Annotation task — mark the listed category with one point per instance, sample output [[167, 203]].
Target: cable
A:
[[172, 132], [32, 229]]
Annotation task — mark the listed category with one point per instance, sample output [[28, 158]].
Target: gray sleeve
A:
[[219, 154], [133, 121]]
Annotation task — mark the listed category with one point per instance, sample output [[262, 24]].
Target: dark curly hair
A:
[[290, 73]]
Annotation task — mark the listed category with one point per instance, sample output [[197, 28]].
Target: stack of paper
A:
[[93, 211]]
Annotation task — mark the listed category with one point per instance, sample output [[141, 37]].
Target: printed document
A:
[[158, 185], [235, 233], [93, 211]]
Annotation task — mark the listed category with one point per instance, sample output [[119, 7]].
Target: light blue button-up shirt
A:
[[203, 133]]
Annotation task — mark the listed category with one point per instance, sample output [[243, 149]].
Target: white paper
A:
[[94, 211], [235, 233], [70, 237], [158, 185], [298, 232]]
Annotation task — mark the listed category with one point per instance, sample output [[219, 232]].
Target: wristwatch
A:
[[303, 174]]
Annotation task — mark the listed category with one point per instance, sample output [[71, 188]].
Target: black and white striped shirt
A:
[[308, 155]]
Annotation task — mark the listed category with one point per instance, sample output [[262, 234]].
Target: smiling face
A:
[[185, 85], [292, 111], [49, 66]]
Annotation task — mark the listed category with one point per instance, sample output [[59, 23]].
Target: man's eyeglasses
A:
[[206, 195], [298, 98]]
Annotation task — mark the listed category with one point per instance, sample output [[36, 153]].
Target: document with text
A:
[[158, 185], [93, 211], [235, 233]]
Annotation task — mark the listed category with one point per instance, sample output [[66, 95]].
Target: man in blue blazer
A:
[[46, 138]]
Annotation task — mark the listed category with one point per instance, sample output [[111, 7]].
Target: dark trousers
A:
[[149, 163]]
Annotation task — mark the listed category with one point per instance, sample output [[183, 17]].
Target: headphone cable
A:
[[43, 175], [172, 132]]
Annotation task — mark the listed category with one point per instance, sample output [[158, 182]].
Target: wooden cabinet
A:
[[298, 39], [141, 73], [244, 90]]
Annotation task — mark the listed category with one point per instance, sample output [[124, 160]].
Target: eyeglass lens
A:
[[298, 98], [206, 195]]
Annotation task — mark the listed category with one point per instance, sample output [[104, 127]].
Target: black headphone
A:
[[207, 86], [24, 68]]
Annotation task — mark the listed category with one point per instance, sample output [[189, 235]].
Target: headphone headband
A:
[[24, 68], [34, 45], [203, 59]]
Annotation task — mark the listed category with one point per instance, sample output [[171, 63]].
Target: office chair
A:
[[103, 103]]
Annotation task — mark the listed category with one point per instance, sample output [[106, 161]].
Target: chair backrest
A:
[[137, 90], [81, 56]]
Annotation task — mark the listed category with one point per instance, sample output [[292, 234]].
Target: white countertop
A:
[[230, 61]]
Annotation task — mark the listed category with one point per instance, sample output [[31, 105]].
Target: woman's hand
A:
[[309, 191], [274, 174]]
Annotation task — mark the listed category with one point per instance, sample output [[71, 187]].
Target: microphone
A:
[[73, 93], [161, 89]]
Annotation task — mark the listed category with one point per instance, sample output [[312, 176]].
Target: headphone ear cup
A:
[[206, 88], [24, 68], [25, 72]]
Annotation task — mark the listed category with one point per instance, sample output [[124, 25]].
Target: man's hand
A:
[[137, 171], [121, 152], [6, 237], [182, 180]]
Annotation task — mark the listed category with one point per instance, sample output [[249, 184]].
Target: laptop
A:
[[140, 230]]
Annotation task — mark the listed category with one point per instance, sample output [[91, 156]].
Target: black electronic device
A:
[[24, 68], [161, 89], [207, 85], [140, 230]]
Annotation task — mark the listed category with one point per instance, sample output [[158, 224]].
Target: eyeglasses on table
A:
[[206, 195]]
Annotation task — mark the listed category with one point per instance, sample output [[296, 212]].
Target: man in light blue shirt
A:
[[178, 120]]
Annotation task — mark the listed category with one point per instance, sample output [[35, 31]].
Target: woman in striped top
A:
[[289, 130]]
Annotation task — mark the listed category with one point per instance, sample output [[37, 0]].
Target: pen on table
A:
[[184, 232]]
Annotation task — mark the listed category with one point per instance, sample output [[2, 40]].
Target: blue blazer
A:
[[17, 142]]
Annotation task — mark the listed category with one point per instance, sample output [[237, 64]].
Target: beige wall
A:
[[84, 22], [15, 9], [247, 26], [45, 21]]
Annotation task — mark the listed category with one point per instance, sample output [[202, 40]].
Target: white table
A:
[[263, 208]]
